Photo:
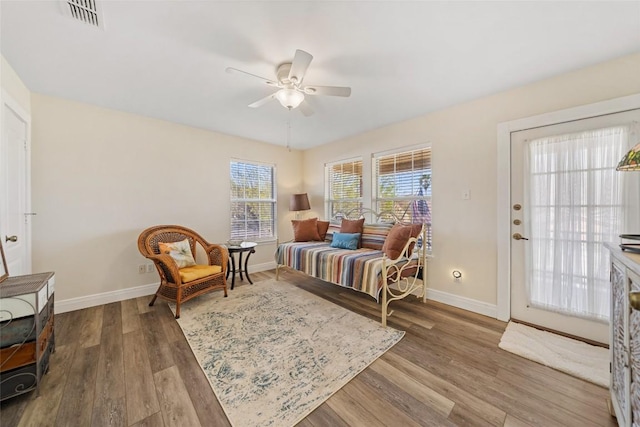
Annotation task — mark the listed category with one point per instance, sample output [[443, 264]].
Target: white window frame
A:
[[273, 201], [328, 201]]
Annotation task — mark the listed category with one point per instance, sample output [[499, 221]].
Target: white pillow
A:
[[179, 251]]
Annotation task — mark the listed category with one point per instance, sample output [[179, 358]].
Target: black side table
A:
[[249, 248]]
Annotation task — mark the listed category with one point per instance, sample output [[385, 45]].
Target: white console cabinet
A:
[[625, 336]]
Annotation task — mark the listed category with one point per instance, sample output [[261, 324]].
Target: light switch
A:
[[466, 194]]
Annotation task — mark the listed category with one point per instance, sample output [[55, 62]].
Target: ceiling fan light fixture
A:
[[289, 98]]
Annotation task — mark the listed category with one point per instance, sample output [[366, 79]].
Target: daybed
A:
[[389, 262]]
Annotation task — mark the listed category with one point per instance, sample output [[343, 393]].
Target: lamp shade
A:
[[631, 160], [299, 202]]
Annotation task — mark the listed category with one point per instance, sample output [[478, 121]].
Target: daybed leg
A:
[[384, 305], [277, 272]]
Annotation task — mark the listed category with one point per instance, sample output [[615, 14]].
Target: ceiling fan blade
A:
[[328, 90], [232, 70], [306, 109], [263, 101], [299, 66]]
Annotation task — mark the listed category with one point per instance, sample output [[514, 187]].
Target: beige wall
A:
[[100, 176], [13, 85], [464, 149]]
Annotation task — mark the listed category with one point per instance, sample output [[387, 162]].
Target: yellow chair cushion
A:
[[189, 274]]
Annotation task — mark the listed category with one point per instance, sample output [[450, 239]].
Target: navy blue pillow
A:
[[345, 240]]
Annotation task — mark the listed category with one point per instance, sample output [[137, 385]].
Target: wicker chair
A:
[[172, 287]]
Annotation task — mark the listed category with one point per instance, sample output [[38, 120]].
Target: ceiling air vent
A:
[[87, 11]]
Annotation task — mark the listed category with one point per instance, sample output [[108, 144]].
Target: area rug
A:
[[571, 356], [273, 352]]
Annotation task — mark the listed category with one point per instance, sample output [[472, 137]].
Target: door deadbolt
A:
[[518, 236], [517, 222], [517, 207], [10, 238]]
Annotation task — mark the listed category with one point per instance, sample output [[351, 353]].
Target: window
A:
[[403, 186], [344, 187], [253, 201]]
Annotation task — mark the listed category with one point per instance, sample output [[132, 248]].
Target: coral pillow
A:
[[179, 251], [345, 240], [398, 236], [323, 227], [305, 230], [352, 226]]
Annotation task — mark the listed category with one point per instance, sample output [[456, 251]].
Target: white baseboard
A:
[[104, 298], [262, 267], [140, 291], [123, 294], [464, 303], [480, 307]]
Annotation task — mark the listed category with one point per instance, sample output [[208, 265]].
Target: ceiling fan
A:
[[292, 91]]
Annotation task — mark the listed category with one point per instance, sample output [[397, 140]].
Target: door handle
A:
[[518, 236], [10, 238], [634, 300]]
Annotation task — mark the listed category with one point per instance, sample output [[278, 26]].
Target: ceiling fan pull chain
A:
[[289, 131]]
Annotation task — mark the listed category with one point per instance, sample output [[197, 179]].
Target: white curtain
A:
[[577, 202]]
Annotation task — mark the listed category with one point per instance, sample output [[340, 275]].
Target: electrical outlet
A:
[[466, 194], [142, 269], [149, 268]]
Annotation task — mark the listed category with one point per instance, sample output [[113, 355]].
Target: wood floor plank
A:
[[158, 347], [523, 402], [422, 392], [13, 409], [351, 411], [43, 410], [67, 327], [172, 330], [109, 402], [384, 410], [141, 397], [410, 405], [77, 398], [512, 421], [325, 416], [175, 404], [153, 420], [91, 326], [143, 304], [130, 318], [204, 401], [467, 406], [112, 315]]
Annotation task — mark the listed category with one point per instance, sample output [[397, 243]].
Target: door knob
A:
[[10, 238], [634, 300], [518, 236]]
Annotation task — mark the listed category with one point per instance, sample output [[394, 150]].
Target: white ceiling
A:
[[167, 59]]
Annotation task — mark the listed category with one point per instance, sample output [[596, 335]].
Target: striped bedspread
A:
[[360, 269]]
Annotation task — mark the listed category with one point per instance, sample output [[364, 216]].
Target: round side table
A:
[[245, 247]]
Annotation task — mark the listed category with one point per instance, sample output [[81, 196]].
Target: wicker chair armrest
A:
[[166, 264], [218, 255]]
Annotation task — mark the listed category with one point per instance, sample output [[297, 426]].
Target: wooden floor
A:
[[127, 364]]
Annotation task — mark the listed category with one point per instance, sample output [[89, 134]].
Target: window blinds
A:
[[252, 200], [345, 187]]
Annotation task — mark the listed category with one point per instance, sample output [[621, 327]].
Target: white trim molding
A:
[[504, 178], [105, 298], [87, 301], [458, 301], [464, 303]]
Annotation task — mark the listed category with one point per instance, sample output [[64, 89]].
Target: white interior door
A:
[[15, 218], [526, 252]]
